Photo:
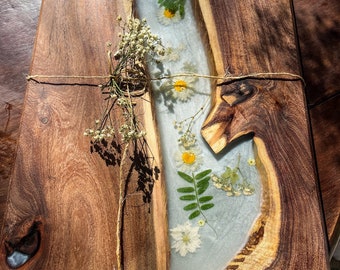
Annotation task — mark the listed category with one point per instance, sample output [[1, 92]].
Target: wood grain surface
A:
[[18, 23], [326, 129], [62, 200], [258, 36], [318, 25], [56, 192]]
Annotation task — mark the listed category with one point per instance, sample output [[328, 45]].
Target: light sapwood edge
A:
[[212, 35], [159, 197], [263, 254]]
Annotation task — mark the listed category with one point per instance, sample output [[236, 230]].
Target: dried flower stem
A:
[[120, 214]]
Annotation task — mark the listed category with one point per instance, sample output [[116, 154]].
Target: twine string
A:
[[225, 79]]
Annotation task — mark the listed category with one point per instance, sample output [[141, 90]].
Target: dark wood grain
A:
[[61, 208], [318, 24], [258, 36], [326, 130]]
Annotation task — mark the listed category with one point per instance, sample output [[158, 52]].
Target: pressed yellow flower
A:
[[168, 13], [188, 157], [166, 16], [180, 85]]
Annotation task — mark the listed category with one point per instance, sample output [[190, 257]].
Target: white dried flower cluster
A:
[[188, 138], [137, 41], [130, 132], [99, 134], [232, 189], [127, 80]]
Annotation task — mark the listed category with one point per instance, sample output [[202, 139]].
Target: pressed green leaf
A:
[[207, 206], [191, 206], [202, 174], [186, 189], [181, 11], [234, 176], [188, 198], [186, 177], [202, 189], [194, 214], [205, 199], [227, 173], [203, 182]]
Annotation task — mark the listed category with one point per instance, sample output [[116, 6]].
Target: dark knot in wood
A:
[[237, 92], [24, 243]]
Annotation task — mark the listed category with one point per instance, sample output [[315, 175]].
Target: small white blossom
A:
[[185, 238], [251, 162]]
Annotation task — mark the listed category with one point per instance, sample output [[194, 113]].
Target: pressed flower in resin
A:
[[179, 88], [166, 16], [185, 238], [189, 159], [251, 162]]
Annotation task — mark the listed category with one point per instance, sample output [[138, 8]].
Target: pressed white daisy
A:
[[186, 238], [166, 16], [189, 159], [179, 88]]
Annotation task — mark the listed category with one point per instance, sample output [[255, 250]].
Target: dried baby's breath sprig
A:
[[127, 80], [233, 182], [188, 137], [126, 84]]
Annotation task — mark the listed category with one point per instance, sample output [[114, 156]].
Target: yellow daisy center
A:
[[186, 239], [188, 157], [180, 85], [168, 14]]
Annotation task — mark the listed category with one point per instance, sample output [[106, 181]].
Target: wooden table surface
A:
[[62, 205], [47, 209]]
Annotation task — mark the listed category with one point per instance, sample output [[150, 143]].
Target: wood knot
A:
[[24, 243], [44, 113], [238, 92]]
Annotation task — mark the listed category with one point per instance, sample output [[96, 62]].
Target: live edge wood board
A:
[[62, 199]]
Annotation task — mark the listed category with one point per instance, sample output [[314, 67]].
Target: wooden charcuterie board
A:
[[62, 204]]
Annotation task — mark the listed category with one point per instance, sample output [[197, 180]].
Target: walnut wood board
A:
[[258, 36], [62, 204], [53, 252]]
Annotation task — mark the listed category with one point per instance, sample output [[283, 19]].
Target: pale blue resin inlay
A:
[[17, 259], [232, 217]]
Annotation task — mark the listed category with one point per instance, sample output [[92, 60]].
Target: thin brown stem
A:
[[120, 214]]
